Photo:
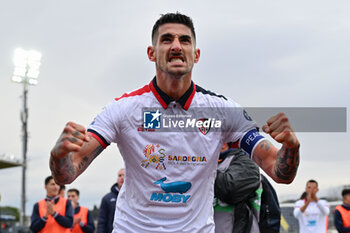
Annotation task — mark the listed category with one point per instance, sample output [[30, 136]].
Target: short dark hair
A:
[[345, 192], [74, 190], [173, 18], [62, 187], [312, 181], [47, 180]]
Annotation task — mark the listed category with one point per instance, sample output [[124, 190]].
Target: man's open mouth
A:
[[176, 59]]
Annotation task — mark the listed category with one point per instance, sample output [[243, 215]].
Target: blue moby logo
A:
[[172, 187]]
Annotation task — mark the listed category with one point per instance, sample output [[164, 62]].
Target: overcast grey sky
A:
[[259, 53]]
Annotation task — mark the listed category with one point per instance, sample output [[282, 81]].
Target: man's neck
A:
[[51, 197], [173, 86], [75, 205], [346, 204]]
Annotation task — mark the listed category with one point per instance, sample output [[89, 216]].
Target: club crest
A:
[[204, 129]]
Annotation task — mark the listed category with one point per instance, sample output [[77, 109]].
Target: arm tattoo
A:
[[85, 162], [287, 163], [263, 145], [76, 133], [63, 169]]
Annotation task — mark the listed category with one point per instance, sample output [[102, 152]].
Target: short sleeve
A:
[[238, 125], [106, 125]]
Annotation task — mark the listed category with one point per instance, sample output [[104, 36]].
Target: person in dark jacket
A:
[[53, 213], [342, 213], [107, 208]]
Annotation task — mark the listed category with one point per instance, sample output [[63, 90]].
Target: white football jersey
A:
[[170, 150]]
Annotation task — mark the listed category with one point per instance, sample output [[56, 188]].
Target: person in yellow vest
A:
[[53, 214], [342, 213], [83, 221]]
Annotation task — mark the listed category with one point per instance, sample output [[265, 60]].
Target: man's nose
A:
[[176, 45]]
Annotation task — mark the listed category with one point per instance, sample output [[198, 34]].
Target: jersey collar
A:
[[165, 100]]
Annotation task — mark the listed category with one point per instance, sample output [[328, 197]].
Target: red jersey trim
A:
[[140, 91], [158, 97], [98, 139]]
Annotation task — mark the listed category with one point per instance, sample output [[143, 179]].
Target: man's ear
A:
[[151, 53], [197, 54]]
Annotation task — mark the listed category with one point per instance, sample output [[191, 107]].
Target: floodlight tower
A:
[[26, 72]]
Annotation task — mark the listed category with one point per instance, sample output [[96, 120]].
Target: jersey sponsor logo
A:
[[188, 158], [311, 223], [156, 157], [174, 187], [153, 158], [171, 189]]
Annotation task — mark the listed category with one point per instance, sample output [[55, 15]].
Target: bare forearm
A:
[[287, 163], [303, 208], [283, 163], [62, 169], [72, 154], [65, 170]]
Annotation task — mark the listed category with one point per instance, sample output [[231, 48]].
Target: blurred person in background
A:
[[311, 212], [342, 213], [53, 213], [83, 221], [107, 207]]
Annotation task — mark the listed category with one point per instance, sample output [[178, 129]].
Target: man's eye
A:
[[166, 40]]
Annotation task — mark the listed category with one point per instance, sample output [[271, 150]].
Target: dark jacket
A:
[[236, 186], [239, 182], [106, 212]]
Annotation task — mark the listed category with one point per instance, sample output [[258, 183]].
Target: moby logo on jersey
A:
[[172, 187]]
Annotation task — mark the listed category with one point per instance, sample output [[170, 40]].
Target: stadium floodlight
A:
[[27, 64]]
